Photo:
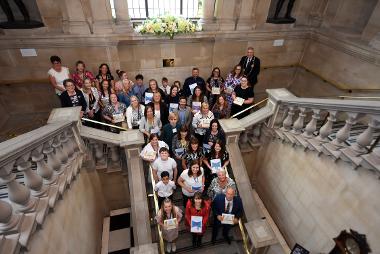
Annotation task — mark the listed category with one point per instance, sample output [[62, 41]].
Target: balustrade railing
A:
[[35, 169]]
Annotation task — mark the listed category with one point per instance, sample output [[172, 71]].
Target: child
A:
[[165, 86], [164, 163], [170, 130], [164, 188]]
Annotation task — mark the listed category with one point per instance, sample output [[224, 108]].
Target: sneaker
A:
[[168, 247], [174, 247]]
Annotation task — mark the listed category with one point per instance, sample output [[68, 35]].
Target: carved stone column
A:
[[286, 125], [123, 21], [373, 25], [226, 14], [101, 16], [208, 19], [298, 124], [324, 132], [246, 19], [74, 20]]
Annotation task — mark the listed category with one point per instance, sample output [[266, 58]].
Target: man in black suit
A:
[[194, 79], [251, 66], [226, 204]]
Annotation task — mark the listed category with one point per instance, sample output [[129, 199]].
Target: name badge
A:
[[175, 130]]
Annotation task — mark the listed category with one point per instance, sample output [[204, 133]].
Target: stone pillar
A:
[[317, 11], [226, 14], [101, 16], [208, 19], [74, 20], [123, 22], [246, 20], [373, 25], [132, 141]]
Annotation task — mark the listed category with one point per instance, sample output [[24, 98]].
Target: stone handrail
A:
[[56, 151]]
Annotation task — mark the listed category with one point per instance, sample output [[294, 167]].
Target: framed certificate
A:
[[170, 223], [192, 86], [206, 148], [196, 224], [148, 97], [216, 164], [150, 155], [196, 106], [239, 101], [205, 123], [118, 117], [173, 106], [228, 218], [179, 151], [215, 90]]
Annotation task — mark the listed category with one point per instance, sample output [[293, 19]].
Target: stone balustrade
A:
[[36, 169]]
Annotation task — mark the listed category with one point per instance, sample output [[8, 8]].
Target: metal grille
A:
[[142, 9]]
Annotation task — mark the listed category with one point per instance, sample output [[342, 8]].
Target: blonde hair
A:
[[173, 115], [204, 105]]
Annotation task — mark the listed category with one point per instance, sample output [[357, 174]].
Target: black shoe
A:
[[199, 242], [228, 240], [213, 241]]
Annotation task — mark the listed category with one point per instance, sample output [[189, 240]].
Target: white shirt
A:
[[169, 165], [59, 77], [225, 205], [191, 181], [149, 149], [164, 190]]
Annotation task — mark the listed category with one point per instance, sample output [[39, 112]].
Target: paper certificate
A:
[[151, 155], [192, 86], [228, 218], [155, 130], [216, 164], [239, 101], [196, 224], [179, 151], [206, 148], [173, 106], [196, 105], [170, 224], [118, 117], [196, 187], [215, 90], [205, 122], [148, 97]]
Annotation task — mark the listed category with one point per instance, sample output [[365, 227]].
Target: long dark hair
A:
[[192, 163], [198, 195], [146, 109], [102, 89], [233, 72], [222, 150], [193, 140], [108, 69], [201, 96], [184, 129], [217, 122], [212, 73]]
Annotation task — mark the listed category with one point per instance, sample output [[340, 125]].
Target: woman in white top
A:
[[134, 113], [57, 74], [191, 180], [150, 151]]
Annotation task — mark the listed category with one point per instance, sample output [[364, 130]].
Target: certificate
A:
[[239, 101], [229, 90], [215, 90], [206, 148], [118, 117], [179, 151], [216, 164], [173, 106], [170, 223], [205, 122], [196, 224], [196, 105], [148, 97], [196, 187], [154, 130], [192, 86], [150, 155], [228, 218]]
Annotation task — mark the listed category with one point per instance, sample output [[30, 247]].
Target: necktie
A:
[[248, 60], [228, 207]]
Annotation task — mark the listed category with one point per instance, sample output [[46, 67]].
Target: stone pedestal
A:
[[246, 21], [74, 20], [226, 15], [101, 16]]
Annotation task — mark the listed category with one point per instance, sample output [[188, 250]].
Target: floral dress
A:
[[229, 85]]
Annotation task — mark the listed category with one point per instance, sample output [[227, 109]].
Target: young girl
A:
[[169, 211]]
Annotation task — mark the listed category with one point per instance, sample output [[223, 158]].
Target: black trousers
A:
[[161, 199], [197, 239], [215, 229]]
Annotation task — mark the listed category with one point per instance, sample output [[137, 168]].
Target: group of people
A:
[[185, 144]]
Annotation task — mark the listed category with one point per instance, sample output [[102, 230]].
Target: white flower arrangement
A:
[[168, 25]]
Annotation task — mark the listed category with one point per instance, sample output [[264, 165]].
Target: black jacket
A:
[[251, 69], [66, 101]]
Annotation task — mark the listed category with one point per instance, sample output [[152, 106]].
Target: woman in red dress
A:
[[197, 206]]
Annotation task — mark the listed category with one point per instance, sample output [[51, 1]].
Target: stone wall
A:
[[76, 224], [312, 198]]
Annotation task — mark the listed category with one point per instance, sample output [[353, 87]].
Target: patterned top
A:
[[190, 156], [110, 109], [216, 189], [79, 78], [231, 83], [221, 113]]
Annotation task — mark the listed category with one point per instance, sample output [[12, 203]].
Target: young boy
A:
[[169, 130], [164, 163], [164, 188], [165, 86]]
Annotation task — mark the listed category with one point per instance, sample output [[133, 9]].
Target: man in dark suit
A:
[[194, 79], [251, 66], [226, 204]]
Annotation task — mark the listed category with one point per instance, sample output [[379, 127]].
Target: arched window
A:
[[142, 9]]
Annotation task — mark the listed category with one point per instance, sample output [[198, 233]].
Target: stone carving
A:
[[276, 18], [11, 22]]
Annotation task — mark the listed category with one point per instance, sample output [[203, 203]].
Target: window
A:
[[142, 9]]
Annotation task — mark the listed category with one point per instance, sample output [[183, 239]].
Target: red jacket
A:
[[191, 211]]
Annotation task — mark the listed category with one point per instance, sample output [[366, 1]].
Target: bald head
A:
[[230, 193]]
